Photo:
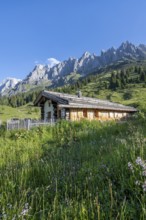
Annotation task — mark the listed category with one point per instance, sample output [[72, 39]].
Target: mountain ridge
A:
[[52, 75], [7, 84]]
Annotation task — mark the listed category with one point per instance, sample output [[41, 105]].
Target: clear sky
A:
[[34, 30]]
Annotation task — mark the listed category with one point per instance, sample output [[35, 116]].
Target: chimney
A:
[[79, 94]]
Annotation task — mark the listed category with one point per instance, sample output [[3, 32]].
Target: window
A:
[[96, 113], [49, 115]]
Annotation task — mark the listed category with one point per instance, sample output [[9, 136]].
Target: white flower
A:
[[130, 166], [144, 186], [144, 166], [139, 161], [137, 183], [24, 211]]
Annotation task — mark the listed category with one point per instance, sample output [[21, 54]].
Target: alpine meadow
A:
[[81, 170], [74, 170]]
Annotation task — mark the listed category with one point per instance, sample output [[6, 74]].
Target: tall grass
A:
[[82, 170]]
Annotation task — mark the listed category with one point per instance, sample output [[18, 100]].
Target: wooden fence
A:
[[27, 124]]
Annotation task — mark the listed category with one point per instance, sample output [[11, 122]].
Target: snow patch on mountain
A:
[[8, 84]]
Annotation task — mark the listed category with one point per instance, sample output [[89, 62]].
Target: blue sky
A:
[[34, 30]]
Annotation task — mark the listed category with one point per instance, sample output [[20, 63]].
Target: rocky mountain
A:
[[57, 73], [8, 84], [126, 51]]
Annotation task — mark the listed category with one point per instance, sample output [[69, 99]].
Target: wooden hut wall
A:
[[94, 114], [76, 114], [90, 114]]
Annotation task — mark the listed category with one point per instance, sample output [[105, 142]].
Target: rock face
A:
[[125, 51], [38, 74], [8, 84], [55, 71]]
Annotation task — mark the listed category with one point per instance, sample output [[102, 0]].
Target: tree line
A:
[[19, 99], [119, 79]]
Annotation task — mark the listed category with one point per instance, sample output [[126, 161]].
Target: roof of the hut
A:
[[74, 101]]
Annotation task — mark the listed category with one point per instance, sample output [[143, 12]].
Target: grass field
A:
[[27, 111], [81, 171]]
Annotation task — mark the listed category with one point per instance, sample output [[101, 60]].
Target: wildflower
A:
[[130, 166], [144, 166], [144, 186], [25, 210], [137, 183], [144, 173], [139, 161]]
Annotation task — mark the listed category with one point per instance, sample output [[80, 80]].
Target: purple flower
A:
[[130, 166], [139, 161]]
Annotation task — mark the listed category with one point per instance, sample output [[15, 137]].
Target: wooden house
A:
[[56, 105]]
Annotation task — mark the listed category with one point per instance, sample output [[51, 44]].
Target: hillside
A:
[[26, 111], [124, 82]]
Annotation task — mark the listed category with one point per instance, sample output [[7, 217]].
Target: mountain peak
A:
[[7, 84], [40, 66], [55, 72], [86, 54], [126, 45], [10, 79]]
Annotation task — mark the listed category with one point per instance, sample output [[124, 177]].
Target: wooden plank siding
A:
[[76, 114], [94, 114]]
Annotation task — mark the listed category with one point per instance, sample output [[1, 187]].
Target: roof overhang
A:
[[98, 107], [51, 97], [70, 101]]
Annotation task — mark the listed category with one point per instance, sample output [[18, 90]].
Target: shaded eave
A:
[[128, 109]]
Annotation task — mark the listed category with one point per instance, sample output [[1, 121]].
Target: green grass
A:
[[72, 77], [137, 96], [134, 95], [27, 111], [74, 171]]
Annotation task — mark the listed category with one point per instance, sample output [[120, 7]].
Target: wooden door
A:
[[85, 113]]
